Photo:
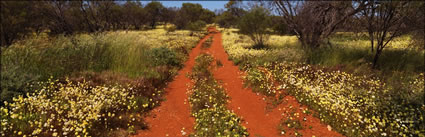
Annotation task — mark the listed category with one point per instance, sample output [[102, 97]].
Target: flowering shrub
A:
[[208, 101], [72, 109], [354, 105]]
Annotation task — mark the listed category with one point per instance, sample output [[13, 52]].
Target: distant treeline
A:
[[311, 21], [20, 18]]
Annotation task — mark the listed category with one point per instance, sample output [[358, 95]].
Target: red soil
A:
[[252, 107], [173, 114]]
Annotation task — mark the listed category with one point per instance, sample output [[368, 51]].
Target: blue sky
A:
[[211, 5]]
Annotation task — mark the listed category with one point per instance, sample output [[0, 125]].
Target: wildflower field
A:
[[212, 68], [354, 102], [83, 85]]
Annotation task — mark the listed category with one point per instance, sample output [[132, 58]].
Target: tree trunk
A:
[[375, 59], [371, 39], [3, 36], [153, 24]]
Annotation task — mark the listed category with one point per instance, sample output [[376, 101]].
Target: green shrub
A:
[[15, 82], [164, 56], [196, 26]]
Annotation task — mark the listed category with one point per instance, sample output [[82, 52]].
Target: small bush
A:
[[196, 26], [14, 82], [164, 56]]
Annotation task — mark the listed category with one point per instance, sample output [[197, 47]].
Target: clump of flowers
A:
[[70, 109]]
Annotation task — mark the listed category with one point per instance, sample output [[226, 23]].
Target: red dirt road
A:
[[173, 114], [251, 107]]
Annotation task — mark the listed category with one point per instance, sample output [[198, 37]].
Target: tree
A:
[[280, 28], [191, 14], [224, 19], [228, 18], [134, 14], [235, 8], [254, 24], [169, 15], [385, 21], [14, 23], [207, 16], [314, 21], [415, 22], [154, 10]]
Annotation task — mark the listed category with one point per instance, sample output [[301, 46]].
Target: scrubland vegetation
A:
[[111, 80], [96, 68], [338, 83]]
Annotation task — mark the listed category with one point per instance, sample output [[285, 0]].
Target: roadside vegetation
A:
[[121, 75], [362, 70], [338, 82], [208, 101], [96, 68]]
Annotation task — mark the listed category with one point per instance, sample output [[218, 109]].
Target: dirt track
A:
[[172, 118], [174, 114]]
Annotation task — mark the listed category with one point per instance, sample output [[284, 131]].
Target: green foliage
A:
[[225, 20], [147, 54], [14, 83], [164, 56], [351, 57], [18, 17], [255, 24], [192, 16], [154, 10], [280, 28], [196, 26], [120, 76], [59, 60]]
